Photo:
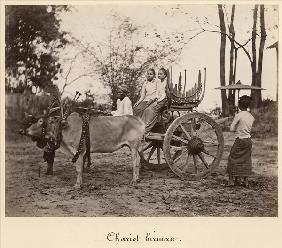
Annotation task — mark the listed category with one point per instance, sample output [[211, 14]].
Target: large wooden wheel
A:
[[193, 146]]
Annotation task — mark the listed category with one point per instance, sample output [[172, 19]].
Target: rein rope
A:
[[52, 144], [84, 139]]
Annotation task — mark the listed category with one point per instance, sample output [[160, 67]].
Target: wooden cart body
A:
[[191, 143]]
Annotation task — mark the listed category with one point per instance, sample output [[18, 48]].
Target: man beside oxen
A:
[[48, 152], [49, 149]]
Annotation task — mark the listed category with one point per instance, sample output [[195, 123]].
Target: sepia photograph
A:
[[141, 110]]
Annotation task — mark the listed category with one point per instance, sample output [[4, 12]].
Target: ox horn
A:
[[77, 95]]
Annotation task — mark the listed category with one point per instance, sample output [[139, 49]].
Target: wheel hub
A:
[[195, 145]]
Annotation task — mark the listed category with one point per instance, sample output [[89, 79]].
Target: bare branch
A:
[[244, 44], [70, 67], [235, 41]]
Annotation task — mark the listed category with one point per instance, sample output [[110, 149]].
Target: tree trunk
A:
[[277, 66], [113, 95], [254, 55], [222, 60], [231, 93], [235, 65], [257, 94]]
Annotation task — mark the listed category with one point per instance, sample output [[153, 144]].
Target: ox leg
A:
[[87, 154], [136, 164], [84, 159], [49, 169], [87, 157], [88, 160], [79, 169], [49, 158]]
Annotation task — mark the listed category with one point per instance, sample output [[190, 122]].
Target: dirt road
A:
[[107, 191]]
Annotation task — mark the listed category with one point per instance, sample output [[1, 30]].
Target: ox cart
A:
[[189, 142]]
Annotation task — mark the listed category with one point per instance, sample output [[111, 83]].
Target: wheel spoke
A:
[[185, 131], [206, 152], [159, 155], [195, 163], [185, 166], [180, 139], [210, 142], [148, 146], [178, 148], [177, 156], [151, 153], [203, 160], [193, 124]]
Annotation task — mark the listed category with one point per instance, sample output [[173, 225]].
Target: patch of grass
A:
[[266, 120]]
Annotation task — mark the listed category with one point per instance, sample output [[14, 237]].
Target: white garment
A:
[[161, 87], [124, 107], [242, 124], [149, 90]]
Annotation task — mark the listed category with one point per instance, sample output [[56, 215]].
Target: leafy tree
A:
[[33, 37]]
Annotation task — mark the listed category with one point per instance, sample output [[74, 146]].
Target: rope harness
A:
[[84, 139], [54, 143]]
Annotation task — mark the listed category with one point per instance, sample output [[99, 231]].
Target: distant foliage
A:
[[216, 112], [266, 120], [88, 102], [17, 104]]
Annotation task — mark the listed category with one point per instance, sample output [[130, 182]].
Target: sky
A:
[[91, 24]]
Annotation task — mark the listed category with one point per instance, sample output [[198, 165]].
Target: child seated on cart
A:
[[240, 160], [152, 99]]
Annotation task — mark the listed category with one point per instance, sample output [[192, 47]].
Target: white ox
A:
[[107, 134]]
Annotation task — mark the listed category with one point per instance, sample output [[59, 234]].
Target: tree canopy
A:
[[32, 37]]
